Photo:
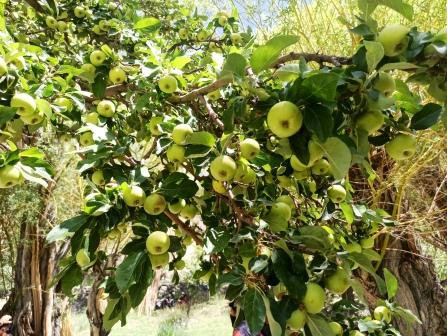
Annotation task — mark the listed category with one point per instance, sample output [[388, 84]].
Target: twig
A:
[[213, 115], [201, 91], [184, 227], [319, 58]]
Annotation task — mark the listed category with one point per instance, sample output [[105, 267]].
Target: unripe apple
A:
[[382, 313], [176, 207], [97, 30], [244, 174], [62, 26], [154, 125], [80, 12], [112, 6], [202, 35], [236, 38], [214, 95], [159, 261], [249, 148], [155, 204], [86, 139], [168, 84], [284, 181], [183, 33], [176, 153], [288, 200], [117, 75], [106, 108], [219, 187], [336, 193], [394, 39], [402, 147], [336, 328], [24, 103], [134, 196], [367, 243], [158, 242], [189, 211], [370, 121], [384, 83], [19, 62], [92, 118], [180, 133], [103, 25], [222, 19], [301, 175], [284, 119], [180, 264], [356, 333], [321, 167], [98, 178], [97, 57], [65, 103], [88, 68], [338, 282], [314, 298], [353, 247], [32, 119], [3, 66], [51, 22], [282, 210], [297, 320], [223, 168], [10, 176], [82, 258]]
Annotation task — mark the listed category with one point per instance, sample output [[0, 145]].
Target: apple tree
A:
[[189, 131]]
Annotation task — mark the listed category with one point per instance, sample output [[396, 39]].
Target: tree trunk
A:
[[94, 307]]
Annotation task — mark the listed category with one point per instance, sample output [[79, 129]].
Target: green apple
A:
[[336, 193], [117, 75], [356, 333], [3, 66], [284, 181], [382, 313], [176, 153], [297, 320], [214, 47], [65, 103], [284, 119], [134, 196], [202, 35], [223, 168], [88, 68], [244, 174], [288, 200], [51, 22], [214, 95], [402, 147], [179, 265], [97, 57], [371, 121], [155, 204], [158, 242], [106, 108], [10, 176], [219, 187], [168, 84], [301, 175], [384, 83], [103, 25], [249, 148], [98, 178], [159, 260], [19, 62], [321, 167], [282, 210], [314, 298], [394, 39], [97, 30], [336, 328], [176, 207], [82, 258], [338, 282], [183, 33], [80, 12], [62, 26], [353, 247], [24, 103], [189, 211], [180, 133], [92, 118], [222, 19], [86, 139], [112, 6], [236, 38], [154, 127], [32, 119]]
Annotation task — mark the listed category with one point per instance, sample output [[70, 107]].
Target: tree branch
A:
[[213, 115], [319, 58], [37, 7], [184, 227], [201, 91]]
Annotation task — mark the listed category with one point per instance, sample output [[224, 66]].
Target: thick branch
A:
[[319, 58], [201, 91], [213, 115], [113, 91], [184, 227], [35, 4]]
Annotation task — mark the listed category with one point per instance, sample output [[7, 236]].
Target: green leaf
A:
[[180, 61], [427, 117], [201, 138], [313, 237], [235, 278], [391, 283], [266, 55], [32, 153], [318, 119], [347, 212], [178, 185], [365, 264], [254, 310], [322, 86], [234, 65], [406, 315], [73, 277], [398, 66], [99, 85], [318, 326], [403, 8], [275, 327], [125, 272], [338, 155], [148, 22], [282, 265], [374, 54], [288, 72], [66, 228], [6, 114]]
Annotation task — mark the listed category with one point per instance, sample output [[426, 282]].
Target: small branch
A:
[[319, 58], [213, 115], [112, 91], [191, 42], [201, 91], [35, 4], [184, 227]]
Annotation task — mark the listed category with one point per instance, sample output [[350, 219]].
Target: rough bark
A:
[[94, 313]]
